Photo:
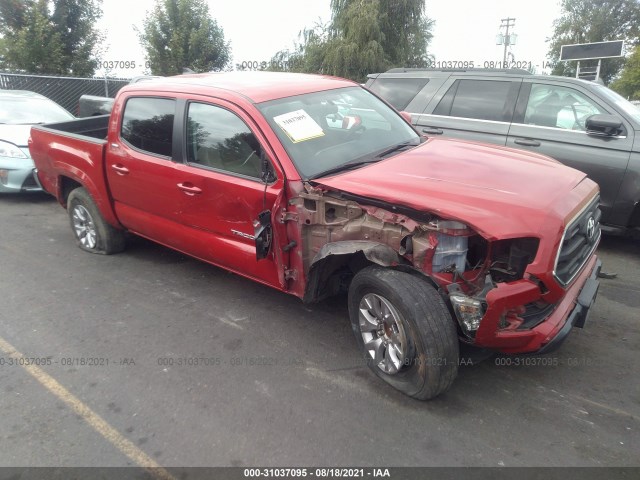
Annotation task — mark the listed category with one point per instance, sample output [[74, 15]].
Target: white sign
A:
[[299, 126]]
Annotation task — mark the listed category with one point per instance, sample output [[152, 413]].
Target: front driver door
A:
[[224, 157]]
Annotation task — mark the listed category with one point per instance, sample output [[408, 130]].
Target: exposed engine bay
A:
[[463, 265]]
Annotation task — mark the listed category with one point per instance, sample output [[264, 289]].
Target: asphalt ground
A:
[[153, 358]]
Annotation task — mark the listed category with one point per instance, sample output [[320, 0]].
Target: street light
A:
[[506, 38]]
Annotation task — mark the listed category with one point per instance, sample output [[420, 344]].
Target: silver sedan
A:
[[19, 109]]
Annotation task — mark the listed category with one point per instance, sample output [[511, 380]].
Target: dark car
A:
[[93, 106], [580, 123]]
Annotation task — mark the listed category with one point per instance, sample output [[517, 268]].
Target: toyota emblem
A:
[[591, 228]]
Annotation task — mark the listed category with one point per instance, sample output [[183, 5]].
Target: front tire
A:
[[93, 234], [405, 331]]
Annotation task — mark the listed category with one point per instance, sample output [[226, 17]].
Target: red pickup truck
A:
[[314, 186]]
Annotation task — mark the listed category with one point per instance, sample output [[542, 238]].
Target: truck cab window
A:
[[217, 138], [147, 124]]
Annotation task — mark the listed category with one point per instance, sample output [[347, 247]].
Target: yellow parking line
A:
[[604, 407], [93, 419]]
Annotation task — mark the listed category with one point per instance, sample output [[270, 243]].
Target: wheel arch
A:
[[65, 186], [68, 183], [337, 262]]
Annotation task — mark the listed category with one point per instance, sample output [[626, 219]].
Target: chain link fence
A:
[[65, 91]]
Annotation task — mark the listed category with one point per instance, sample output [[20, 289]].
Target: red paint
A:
[[499, 192]]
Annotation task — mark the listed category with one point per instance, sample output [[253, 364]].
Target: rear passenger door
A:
[[468, 108], [140, 168], [550, 119]]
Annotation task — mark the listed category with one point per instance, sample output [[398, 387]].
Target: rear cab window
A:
[[147, 124]]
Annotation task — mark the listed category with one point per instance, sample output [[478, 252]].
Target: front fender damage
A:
[[352, 254], [341, 235]]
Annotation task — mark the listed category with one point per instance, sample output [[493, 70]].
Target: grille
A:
[[534, 315], [580, 239]]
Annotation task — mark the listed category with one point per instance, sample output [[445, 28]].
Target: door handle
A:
[[189, 188], [432, 130], [120, 169], [528, 142]]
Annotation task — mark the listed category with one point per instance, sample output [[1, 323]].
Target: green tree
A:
[[364, 36], [181, 34], [628, 85], [75, 21], [586, 21], [401, 27], [306, 56], [57, 37]]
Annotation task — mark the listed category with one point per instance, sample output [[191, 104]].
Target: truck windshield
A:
[[347, 127]]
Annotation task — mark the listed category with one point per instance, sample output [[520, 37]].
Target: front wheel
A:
[[92, 232], [404, 330]]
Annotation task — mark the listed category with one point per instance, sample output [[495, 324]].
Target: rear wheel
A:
[[92, 232], [405, 331]]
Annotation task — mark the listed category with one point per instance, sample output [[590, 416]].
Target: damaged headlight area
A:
[[450, 252], [506, 261], [446, 248], [469, 312], [510, 258]]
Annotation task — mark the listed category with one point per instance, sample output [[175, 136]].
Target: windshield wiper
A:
[[376, 158], [344, 167], [396, 148]]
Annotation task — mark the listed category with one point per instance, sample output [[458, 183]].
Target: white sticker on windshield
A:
[[299, 126]]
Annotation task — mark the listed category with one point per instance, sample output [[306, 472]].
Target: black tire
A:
[[92, 233], [430, 352]]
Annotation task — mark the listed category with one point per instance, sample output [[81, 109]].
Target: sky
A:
[[465, 30]]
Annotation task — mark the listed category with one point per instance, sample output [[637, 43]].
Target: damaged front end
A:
[[496, 302]]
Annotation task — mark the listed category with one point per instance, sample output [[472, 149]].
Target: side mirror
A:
[[263, 234], [604, 125], [406, 116]]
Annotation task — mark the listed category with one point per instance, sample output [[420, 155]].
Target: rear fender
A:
[[99, 196]]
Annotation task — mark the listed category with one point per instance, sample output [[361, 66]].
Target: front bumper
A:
[[572, 310], [580, 313], [19, 176]]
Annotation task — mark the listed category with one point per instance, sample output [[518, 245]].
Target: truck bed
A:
[[71, 154], [91, 127]]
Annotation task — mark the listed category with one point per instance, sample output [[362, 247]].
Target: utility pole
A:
[[506, 39]]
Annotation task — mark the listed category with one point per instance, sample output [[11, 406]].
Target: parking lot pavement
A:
[[194, 366]]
